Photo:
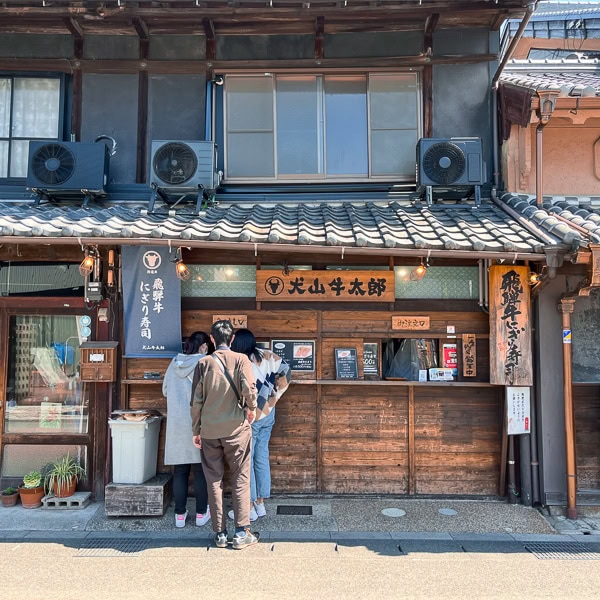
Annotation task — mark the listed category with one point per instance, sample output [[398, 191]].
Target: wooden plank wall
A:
[[586, 399], [363, 437]]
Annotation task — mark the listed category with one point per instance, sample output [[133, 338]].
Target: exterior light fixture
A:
[[419, 272], [181, 269], [89, 261]]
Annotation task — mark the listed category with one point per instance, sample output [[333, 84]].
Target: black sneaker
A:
[[245, 539], [221, 540]]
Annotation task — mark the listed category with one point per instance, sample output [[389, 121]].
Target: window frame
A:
[[61, 115], [320, 178]]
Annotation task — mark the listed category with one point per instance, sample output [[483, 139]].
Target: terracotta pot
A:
[[65, 491], [31, 497], [10, 500]]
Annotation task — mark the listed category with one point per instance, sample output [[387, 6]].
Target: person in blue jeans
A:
[[272, 380]]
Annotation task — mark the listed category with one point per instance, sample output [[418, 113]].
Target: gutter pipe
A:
[[256, 247]]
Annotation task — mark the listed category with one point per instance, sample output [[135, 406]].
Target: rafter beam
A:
[[319, 38]]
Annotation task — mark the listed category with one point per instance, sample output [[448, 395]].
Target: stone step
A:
[[77, 501]]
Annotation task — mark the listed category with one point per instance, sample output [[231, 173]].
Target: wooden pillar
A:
[[566, 307]]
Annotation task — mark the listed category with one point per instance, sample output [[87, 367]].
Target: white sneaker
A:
[[203, 519], [261, 511], [253, 515], [180, 519]]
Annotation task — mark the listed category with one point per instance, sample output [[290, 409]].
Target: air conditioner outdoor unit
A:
[[450, 163], [180, 168], [68, 169]]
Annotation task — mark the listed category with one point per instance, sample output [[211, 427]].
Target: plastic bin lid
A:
[[142, 414]]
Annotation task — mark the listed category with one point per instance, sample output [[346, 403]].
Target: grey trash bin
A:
[[134, 445]]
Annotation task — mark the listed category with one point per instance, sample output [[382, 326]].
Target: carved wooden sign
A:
[[510, 327], [469, 355], [238, 321], [410, 323], [324, 286]]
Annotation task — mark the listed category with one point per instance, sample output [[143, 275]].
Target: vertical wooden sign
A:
[[510, 326], [469, 355]]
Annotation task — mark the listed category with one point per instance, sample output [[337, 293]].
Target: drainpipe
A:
[[531, 6], [545, 110], [566, 307]]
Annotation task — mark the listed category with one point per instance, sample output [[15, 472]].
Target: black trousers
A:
[[181, 476]]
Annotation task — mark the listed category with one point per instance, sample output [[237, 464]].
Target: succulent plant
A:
[[9, 491], [33, 479]]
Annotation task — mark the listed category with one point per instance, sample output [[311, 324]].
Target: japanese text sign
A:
[[409, 322], [152, 303], [323, 286], [469, 355], [518, 410], [510, 328]]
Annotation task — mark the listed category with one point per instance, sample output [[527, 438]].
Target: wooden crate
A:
[[98, 361], [150, 498]]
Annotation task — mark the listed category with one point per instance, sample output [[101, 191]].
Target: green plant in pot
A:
[[31, 490], [61, 476], [10, 496]]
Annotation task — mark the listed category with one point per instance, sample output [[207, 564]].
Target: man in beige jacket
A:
[[223, 407]]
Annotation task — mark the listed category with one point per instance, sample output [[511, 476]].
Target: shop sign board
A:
[[518, 410], [371, 358], [299, 354], [325, 286], [238, 321], [510, 327], [346, 363], [410, 323], [469, 355]]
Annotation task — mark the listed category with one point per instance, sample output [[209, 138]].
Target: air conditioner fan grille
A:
[[175, 163], [444, 163], [53, 164]]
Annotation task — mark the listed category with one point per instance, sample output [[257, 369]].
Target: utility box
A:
[[134, 447], [98, 361]]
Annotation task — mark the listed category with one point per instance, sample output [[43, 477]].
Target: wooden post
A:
[[566, 307]]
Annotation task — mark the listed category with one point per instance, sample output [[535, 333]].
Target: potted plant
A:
[[31, 490], [9, 496], [61, 476]]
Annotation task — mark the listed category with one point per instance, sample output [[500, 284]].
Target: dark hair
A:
[[192, 344], [245, 342], [222, 332]]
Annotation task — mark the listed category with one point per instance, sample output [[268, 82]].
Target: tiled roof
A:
[[573, 77], [385, 225], [557, 212]]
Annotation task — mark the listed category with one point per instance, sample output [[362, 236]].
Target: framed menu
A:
[[371, 358], [299, 354], [346, 363]]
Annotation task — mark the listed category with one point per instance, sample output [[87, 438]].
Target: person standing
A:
[[179, 450], [272, 380], [223, 408]]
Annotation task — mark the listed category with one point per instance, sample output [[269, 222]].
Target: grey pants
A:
[[235, 450]]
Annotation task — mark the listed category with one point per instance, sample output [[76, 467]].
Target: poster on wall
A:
[[299, 354], [346, 363], [518, 410], [510, 326], [152, 315], [371, 358]]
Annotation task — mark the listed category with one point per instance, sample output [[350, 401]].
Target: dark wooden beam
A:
[[430, 25], [77, 32], [142, 128], [211, 39], [142, 31], [319, 38], [200, 66]]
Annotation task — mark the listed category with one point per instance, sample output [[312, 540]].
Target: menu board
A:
[[299, 354], [346, 363], [371, 358]]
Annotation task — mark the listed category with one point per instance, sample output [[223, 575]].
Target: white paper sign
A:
[[518, 407]]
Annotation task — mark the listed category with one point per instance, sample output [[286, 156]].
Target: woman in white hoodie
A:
[[179, 450]]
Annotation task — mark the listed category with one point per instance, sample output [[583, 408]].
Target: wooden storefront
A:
[[366, 436]]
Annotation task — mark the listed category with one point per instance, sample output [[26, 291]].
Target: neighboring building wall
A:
[[571, 158]]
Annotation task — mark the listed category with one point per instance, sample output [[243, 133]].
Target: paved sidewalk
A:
[[320, 518]]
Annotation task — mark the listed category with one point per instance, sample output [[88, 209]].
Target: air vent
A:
[[175, 163]]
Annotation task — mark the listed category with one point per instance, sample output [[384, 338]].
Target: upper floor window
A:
[[29, 110], [321, 127]]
